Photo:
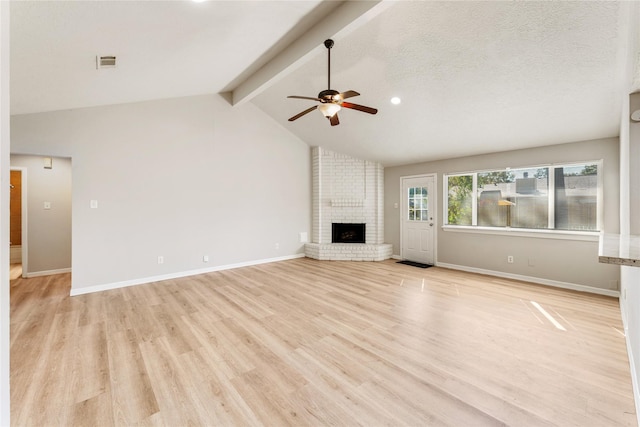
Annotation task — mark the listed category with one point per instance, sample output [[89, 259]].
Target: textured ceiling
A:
[[474, 77], [164, 48]]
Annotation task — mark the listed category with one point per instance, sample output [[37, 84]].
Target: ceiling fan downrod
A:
[[328, 44], [327, 96]]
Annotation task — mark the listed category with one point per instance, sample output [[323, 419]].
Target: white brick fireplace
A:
[[347, 190]]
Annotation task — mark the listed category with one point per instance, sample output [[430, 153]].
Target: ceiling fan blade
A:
[[304, 97], [348, 94], [308, 110], [360, 107], [334, 120]]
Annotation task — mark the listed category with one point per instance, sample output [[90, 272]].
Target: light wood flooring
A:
[[15, 271], [311, 343]]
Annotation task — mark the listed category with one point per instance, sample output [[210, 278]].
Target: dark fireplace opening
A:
[[347, 233]]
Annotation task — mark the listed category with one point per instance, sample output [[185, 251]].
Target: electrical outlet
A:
[[160, 259], [277, 245], [510, 259], [205, 258]]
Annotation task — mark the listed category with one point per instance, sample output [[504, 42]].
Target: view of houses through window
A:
[[561, 197]]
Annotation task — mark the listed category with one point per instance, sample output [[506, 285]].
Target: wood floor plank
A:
[[91, 362], [94, 411], [176, 393], [219, 345], [305, 342], [53, 374], [132, 395], [215, 390]]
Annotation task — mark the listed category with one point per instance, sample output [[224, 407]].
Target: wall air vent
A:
[[105, 62]]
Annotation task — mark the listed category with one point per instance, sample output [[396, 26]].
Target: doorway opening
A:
[[17, 222], [45, 215]]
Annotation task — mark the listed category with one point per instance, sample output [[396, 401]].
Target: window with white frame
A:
[[558, 197]]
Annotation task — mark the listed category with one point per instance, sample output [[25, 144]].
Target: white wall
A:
[[49, 230], [630, 224], [630, 195], [178, 178], [561, 262], [4, 214]]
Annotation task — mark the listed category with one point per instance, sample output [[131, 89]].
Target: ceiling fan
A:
[[331, 101]]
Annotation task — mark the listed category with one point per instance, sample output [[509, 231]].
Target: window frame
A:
[[591, 235]]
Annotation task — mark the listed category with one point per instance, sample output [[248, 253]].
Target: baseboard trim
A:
[[398, 257], [632, 364], [45, 273], [634, 377], [536, 280], [177, 275]]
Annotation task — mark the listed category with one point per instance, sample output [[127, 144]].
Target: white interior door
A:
[[418, 218]]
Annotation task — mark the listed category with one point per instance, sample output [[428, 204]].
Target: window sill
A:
[[588, 236]]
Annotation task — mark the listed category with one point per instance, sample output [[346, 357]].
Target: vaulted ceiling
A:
[[473, 77]]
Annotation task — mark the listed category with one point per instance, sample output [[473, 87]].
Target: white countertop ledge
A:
[[619, 249]]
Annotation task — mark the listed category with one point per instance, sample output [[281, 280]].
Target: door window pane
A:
[[418, 199]]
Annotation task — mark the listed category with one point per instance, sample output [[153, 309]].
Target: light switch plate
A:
[[47, 205], [94, 204]]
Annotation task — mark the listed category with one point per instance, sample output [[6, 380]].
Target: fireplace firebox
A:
[[347, 233]]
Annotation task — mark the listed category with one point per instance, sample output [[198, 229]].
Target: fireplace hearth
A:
[[347, 233]]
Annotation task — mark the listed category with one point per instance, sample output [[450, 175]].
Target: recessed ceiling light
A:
[[395, 100], [198, 1]]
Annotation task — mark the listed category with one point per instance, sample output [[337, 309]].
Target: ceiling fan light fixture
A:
[[329, 109]]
